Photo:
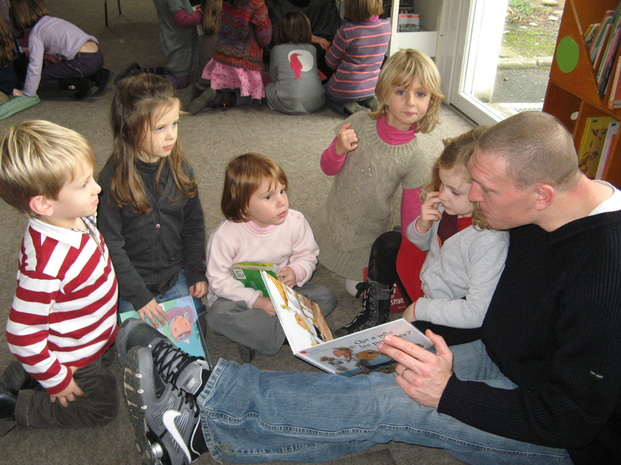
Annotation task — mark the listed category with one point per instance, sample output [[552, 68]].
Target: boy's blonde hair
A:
[[39, 158], [455, 156], [359, 10], [244, 175], [293, 28], [400, 70], [25, 13]]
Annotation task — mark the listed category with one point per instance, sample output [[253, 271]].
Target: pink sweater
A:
[[331, 164], [290, 244]]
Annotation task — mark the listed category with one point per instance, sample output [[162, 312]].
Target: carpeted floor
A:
[[209, 139]]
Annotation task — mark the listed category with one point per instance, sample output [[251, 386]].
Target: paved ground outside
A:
[[524, 67]]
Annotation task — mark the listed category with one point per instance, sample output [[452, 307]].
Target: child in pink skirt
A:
[[236, 68]]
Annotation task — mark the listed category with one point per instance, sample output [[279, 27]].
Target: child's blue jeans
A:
[[180, 289]]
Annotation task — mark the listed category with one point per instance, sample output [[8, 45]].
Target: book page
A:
[[301, 318], [357, 353]]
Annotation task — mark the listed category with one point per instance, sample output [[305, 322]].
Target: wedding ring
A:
[[403, 372]]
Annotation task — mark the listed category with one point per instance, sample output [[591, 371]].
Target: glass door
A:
[[503, 52]]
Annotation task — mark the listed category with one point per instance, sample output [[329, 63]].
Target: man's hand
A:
[[69, 393], [426, 374], [347, 140], [265, 304], [199, 289], [287, 276], [153, 311]]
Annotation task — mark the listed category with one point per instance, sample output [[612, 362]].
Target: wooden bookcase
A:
[[572, 90]]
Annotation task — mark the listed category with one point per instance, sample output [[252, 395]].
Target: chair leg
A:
[[106, 11], [118, 2]]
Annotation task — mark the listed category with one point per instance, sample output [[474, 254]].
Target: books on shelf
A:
[[311, 340], [181, 327], [249, 274], [603, 40], [610, 53], [600, 28], [613, 129], [613, 99], [592, 143]]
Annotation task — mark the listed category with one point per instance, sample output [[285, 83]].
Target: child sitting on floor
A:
[[296, 86], [63, 318], [78, 61], [259, 228]]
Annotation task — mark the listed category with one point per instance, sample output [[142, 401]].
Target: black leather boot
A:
[[375, 307]]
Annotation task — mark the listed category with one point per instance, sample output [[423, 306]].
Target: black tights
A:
[[383, 258]]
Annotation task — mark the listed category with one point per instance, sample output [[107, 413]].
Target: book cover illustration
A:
[[613, 129], [311, 340], [592, 144], [249, 274], [181, 325]]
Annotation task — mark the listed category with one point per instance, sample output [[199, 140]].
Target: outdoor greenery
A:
[[529, 31]]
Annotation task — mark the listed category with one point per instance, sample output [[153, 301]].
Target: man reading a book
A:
[[539, 383]]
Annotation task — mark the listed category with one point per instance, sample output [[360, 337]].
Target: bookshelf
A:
[[424, 40], [572, 90]]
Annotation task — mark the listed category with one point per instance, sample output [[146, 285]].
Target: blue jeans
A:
[[251, 416], [180, 289]]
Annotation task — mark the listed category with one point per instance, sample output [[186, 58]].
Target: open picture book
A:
[[181, 327], [311, 340], [249, 274]]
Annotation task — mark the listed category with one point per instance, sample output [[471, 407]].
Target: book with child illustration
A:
[[250, 274], [181, 326], [311, 340]]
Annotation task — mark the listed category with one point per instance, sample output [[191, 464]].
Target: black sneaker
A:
[[182, 370], [131, 70], [84, 89], [101, 79], [165, 419], [375, 307]]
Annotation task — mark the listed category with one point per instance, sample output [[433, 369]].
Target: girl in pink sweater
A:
[[259, 228]]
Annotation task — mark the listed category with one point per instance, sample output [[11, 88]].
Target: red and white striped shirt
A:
[[64, 310]]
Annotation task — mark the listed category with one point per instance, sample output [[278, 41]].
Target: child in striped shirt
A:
[[63, 318], [356, 55]]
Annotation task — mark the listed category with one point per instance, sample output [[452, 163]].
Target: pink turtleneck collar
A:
[[260, 230], [394, 136]]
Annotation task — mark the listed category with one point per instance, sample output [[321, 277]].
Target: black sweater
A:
[[554, 328], [148, 249]]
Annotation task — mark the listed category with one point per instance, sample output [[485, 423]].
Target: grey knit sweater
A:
[[359, 204]]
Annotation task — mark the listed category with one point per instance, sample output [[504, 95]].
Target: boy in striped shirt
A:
[[63, 318]]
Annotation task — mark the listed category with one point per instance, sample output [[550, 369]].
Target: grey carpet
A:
[[209, 139]]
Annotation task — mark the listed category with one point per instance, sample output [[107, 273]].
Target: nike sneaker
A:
[[182, 370], [165, 419]]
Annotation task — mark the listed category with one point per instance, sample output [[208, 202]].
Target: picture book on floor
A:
[[250, 274], [181, 325], [311, 340]]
